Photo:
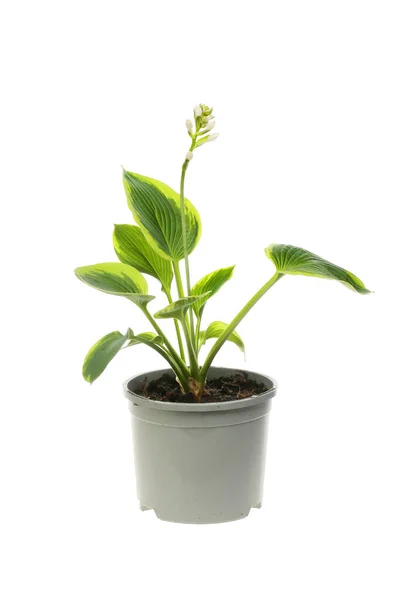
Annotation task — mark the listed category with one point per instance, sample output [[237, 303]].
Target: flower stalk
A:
[[204, 122]]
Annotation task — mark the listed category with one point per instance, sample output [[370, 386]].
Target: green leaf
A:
[[177, 309], [205, 139], [291, 260], [101, 354], [118, 279], [215, 329], [210, 283], [147, 336], [202, 141], [133, 249], [156, 209]]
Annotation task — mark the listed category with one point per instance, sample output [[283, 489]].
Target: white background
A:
[[305, 95]]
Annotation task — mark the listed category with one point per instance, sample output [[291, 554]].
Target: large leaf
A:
[[133, 249], [210, 283], [215, 329], [156, 209], [101, 354], [118, 279], [177, 309], [292, 260]]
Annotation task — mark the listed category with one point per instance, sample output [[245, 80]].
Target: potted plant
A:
[[199, 431]]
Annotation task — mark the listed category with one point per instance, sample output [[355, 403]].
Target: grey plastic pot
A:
[[199, 463]]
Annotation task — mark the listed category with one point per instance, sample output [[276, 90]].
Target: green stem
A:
[[168, 345], [182, 377], [180, 289], [188, 331], [184, 235], [233, 324], [197, 332], [193, 359], [177, 327], [177, 273], [184, 225]]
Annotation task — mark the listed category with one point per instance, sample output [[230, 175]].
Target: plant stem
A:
[[188, 331], [184, 225], [197, 332], [182, 377], [177, 326], [184, 237], [234, 323], [177, 273], [193, 359], [168, 345]]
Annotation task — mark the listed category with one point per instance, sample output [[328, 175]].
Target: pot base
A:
[[199, 521]]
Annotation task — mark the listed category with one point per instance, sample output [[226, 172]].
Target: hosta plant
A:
[[167, 230]]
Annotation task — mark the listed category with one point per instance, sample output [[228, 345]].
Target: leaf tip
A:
[[364, 291], [87, 377]]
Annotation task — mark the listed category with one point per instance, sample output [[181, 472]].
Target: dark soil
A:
[[222, 389]]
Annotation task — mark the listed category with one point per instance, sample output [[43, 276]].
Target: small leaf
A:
[[118, 279], [215, 329], [101, 354], [147, 336], [133, 249], [210, 283], [156, 209], [291, 260], [177, 309], [202, 141], [207, 138]]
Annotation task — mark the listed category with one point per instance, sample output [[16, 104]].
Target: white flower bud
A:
[[188, 124], [213, 137], [197, 111], [189, 155], [209, 126]]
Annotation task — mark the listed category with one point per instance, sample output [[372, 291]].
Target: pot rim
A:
[[200, 407]]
